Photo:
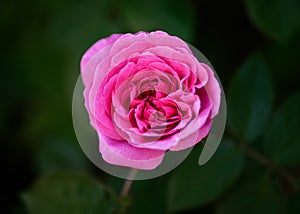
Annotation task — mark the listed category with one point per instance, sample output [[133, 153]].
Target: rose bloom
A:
[[146, 94]]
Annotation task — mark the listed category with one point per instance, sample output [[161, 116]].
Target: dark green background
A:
[[254, 47]]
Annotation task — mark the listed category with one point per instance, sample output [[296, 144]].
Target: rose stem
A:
[[128, 183]]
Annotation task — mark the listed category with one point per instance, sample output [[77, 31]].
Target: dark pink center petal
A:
[[149, 113]]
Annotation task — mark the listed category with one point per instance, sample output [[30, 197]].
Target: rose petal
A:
[[213, 90], [96, 47], [186, 59], [123, 154], [194, 138]]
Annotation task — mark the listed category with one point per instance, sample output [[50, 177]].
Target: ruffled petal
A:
[[95, 48], [213, 90], [123, 154], [194, 138]]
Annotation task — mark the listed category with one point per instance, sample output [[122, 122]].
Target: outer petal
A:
[[87, 75], [213, 90], [123, 154], [95, 48], [89, 61], [156, 38]]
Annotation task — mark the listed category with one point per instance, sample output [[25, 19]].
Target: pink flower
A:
[[145, 94]]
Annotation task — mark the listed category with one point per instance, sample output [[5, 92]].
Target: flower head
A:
[[146, 93]]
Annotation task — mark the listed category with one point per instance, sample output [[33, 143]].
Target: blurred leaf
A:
[[283, 60], [83, 24], [192, 185], [66, 192], [60, 153], [250, 99], [176, 18], [278, 19], [293, 204], [281, 143], [259, 196]]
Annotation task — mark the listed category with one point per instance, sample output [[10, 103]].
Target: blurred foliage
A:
[[190, 187], [250, 99], [63, 192], [254, 46], [278, 19], [281, 141], [262, 197]]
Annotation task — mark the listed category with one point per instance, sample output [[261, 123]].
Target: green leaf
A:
[[192, 185], [259, 196], [278, 19], [66, 192], [250, 99], [60, 153], [176, 18], [281, 143]]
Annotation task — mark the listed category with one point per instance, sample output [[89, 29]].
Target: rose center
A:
[[153, 111]]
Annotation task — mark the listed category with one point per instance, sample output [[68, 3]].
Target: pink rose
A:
[[145, 94]]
